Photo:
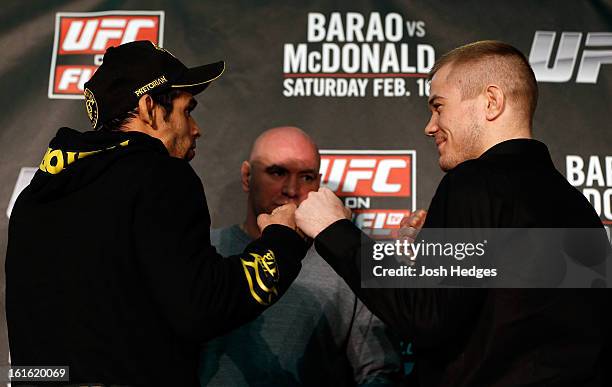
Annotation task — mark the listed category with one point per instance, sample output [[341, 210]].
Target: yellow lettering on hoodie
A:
[[42, 165], [63, 161], [71, 158], [59, 163]]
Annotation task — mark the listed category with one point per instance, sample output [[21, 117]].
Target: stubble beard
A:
[[468, 149]]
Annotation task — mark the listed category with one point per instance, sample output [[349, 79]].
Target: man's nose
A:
[[290, 188], [432, 127], [195, 129]]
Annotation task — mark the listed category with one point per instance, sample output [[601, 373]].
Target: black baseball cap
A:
[[133, 69]]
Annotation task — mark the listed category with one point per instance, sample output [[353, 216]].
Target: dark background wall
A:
[[572, 117]]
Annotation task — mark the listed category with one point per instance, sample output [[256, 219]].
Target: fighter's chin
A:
[[446, 164], [190, 154]]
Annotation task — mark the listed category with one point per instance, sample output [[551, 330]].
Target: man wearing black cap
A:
[[121, 283]]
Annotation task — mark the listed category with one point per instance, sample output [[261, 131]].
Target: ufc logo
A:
[[375, 175], [71, 79], [379, 222], [563, 66], [94, 35], [81, 39]]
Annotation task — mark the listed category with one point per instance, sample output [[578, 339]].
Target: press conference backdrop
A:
[[351, 74]]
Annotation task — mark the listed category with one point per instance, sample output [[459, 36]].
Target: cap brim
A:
[[196, 79]]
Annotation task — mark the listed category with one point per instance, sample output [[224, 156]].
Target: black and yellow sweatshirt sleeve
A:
[[201, 293]]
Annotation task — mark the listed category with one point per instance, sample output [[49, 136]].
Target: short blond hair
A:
[[492, 61]]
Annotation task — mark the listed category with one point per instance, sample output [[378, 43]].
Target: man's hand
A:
[[319, 210], [348, 213], [411, 225], [284, 215]]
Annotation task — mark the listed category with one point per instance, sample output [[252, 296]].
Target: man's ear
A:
[[245, 176], [146, 110], [496, 102]]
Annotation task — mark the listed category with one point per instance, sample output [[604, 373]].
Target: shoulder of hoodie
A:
[[473, 178], [162, 170]]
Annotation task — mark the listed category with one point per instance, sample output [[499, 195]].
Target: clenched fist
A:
[[319, 210], [284, 215], [411, 225]]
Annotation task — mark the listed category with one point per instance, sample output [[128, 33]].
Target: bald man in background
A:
[[319, 333]]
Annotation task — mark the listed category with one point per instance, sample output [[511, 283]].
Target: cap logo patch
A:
[[91, 106], [151, 85]]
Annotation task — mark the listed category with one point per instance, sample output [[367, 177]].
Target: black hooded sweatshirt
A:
[[110, 270]]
